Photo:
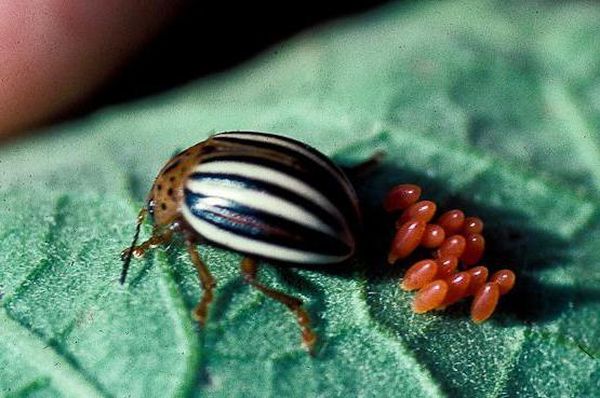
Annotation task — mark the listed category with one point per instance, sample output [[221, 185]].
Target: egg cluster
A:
[[456, 242]]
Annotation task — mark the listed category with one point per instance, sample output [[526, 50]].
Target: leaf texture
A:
[[492, 107]]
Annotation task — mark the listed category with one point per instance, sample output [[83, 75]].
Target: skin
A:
[[55, 53]]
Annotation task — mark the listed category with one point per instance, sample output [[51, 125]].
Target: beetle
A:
[[264, 195]]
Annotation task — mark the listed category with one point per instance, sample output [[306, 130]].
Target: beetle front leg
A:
[[249, 269], [154, 241], [207, 281], [138, 251]]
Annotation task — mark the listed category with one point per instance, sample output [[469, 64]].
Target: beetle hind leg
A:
[[206, 280], [249, 269]]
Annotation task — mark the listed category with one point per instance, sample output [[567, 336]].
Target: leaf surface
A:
[[491, 107]]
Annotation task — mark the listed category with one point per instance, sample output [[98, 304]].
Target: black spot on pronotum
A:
[[163, 206]]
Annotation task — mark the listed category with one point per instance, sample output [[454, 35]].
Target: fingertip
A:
[[55, 53]]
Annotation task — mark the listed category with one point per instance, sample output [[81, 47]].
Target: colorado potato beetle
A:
[[263, 195]]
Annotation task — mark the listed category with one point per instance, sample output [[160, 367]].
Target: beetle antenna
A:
[[126, 255]]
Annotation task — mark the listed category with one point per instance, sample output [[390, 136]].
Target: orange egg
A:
[[505, 279], [452, 221], [458, 284], [472, 225], [430, 296], [401, 196], [484, 302], [419, 274], [433, 237], [423, 210], [479, 276], [474, 248], [446, 266], [407, 238], [452, 246]]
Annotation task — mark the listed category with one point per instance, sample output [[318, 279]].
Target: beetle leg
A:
[[138, 251], [154, 241], [249, 270], [207, 281]]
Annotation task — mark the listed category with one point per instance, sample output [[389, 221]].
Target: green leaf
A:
[[491, 107]]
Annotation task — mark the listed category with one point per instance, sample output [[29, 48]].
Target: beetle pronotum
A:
[[263, 195]]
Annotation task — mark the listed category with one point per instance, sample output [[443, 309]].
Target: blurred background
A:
[[81, 57]]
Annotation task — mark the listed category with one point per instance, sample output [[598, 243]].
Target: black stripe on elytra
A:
[[264, 227], [326, 183], [277, 191], [283, 149]]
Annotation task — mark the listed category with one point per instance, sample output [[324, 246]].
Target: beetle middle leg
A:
[[249, 269], [206, 280]]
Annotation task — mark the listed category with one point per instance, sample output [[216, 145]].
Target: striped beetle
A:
[[260, 194]]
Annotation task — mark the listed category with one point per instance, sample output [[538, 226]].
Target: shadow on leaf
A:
[[512, 241]]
